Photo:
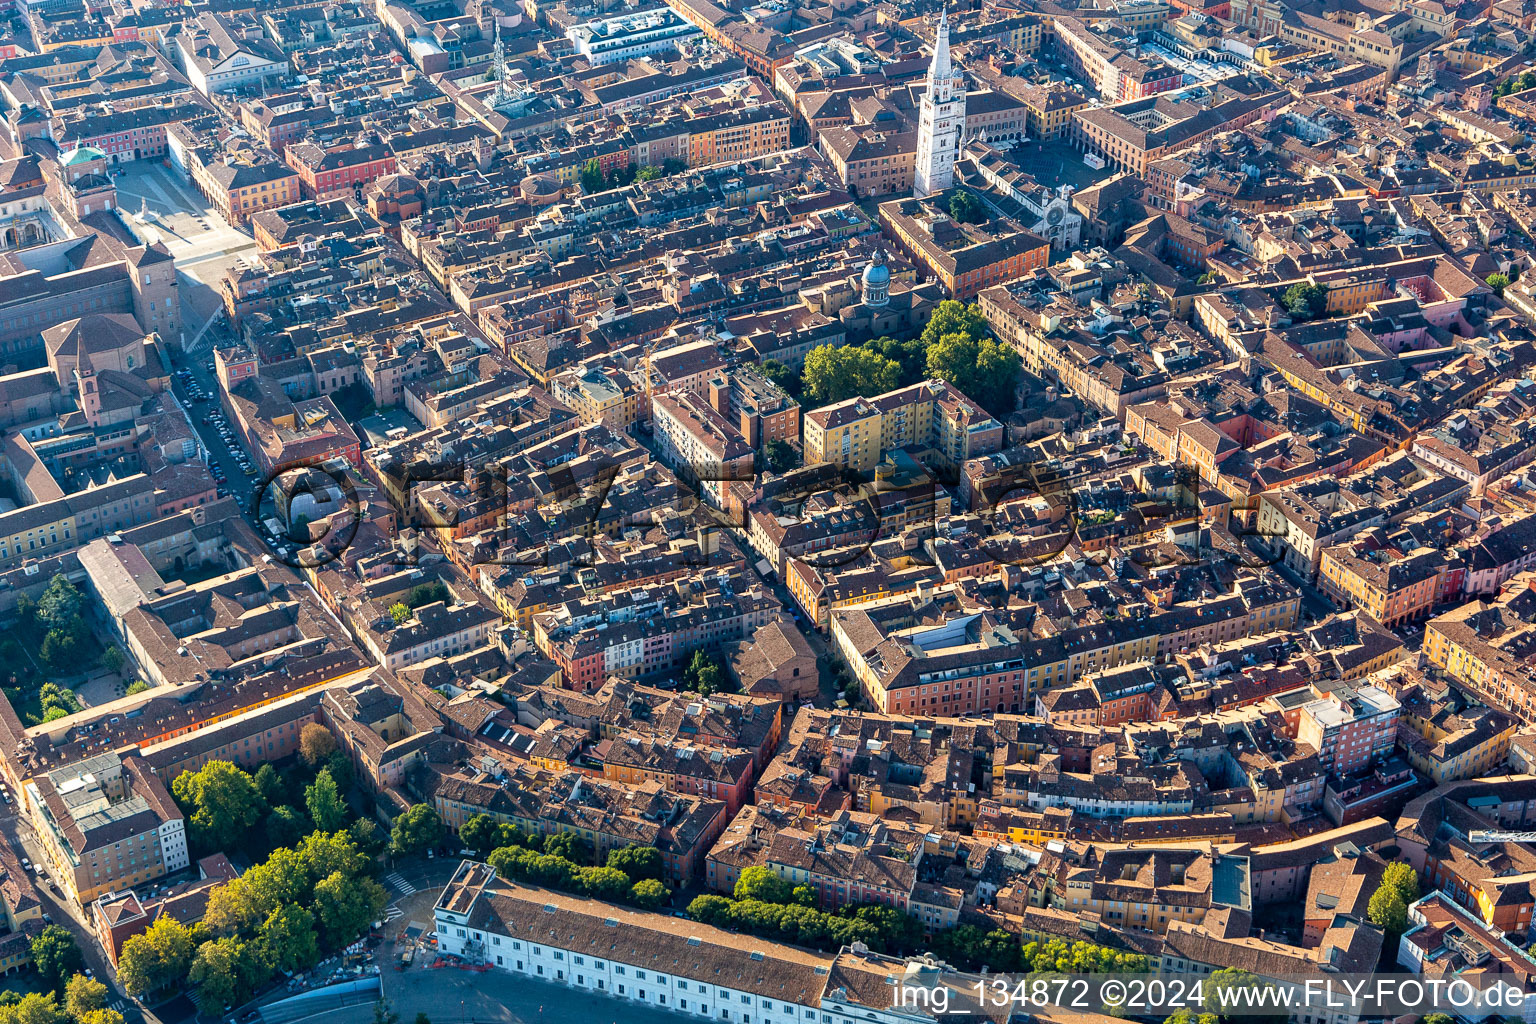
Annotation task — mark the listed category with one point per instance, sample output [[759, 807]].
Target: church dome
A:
[[81, 155], [877, 273]]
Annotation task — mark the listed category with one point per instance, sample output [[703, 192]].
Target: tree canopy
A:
[[966, 208], [221, 803], [326, 807], [56, 956], [417, 828], [315, 745], [1305, 301], [155, 957], [1389, 904], [837, 374]]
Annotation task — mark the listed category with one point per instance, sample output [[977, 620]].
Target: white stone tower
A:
[[941, 121]]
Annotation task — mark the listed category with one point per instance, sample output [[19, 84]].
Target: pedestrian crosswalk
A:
[[401, 885], [116, 1004], [391, 912]]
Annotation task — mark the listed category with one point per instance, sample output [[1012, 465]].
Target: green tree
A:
[[568, 845], [137, 686], [649, 893], [56, 956], [637, 862], [705, 675], [953, 317], [326, 807], [966, 208], [399, 612], [112, 659], [1188, 1016], [367, 837], [760, 883], [102, 1016], [592, 180], [1498, 282], [340, 767], [1305, 301], [227, 971], [322, 853], [82, 995], [235, 907], [155, 957], [835, 374], [32, 1008], [782, 376], [61, 605], [415, 829], [981, 367], [780, 456], [609, 884], [283, 826], [911, 355], [1221, 990], [59, 650], [270, 785], [482, 834], [346, 906], [1389, 904], [1400, 877], [650, 172], [428, 593], [316, 743], [711, 909], [221, 803], [382, 1014], [288, 934]]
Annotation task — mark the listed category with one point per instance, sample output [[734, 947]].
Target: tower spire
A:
[[940, 70], [499, 65]]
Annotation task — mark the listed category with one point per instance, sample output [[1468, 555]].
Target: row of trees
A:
[[281, 915], [954, 346], [969, 947], [629, 875], [765, 904]]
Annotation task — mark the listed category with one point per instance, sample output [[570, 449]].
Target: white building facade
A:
[[613, 40], [606, 949]]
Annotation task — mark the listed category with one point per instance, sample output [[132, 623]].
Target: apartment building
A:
[[107, 823], [699, 442], [859, 432], [1350, 729]]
